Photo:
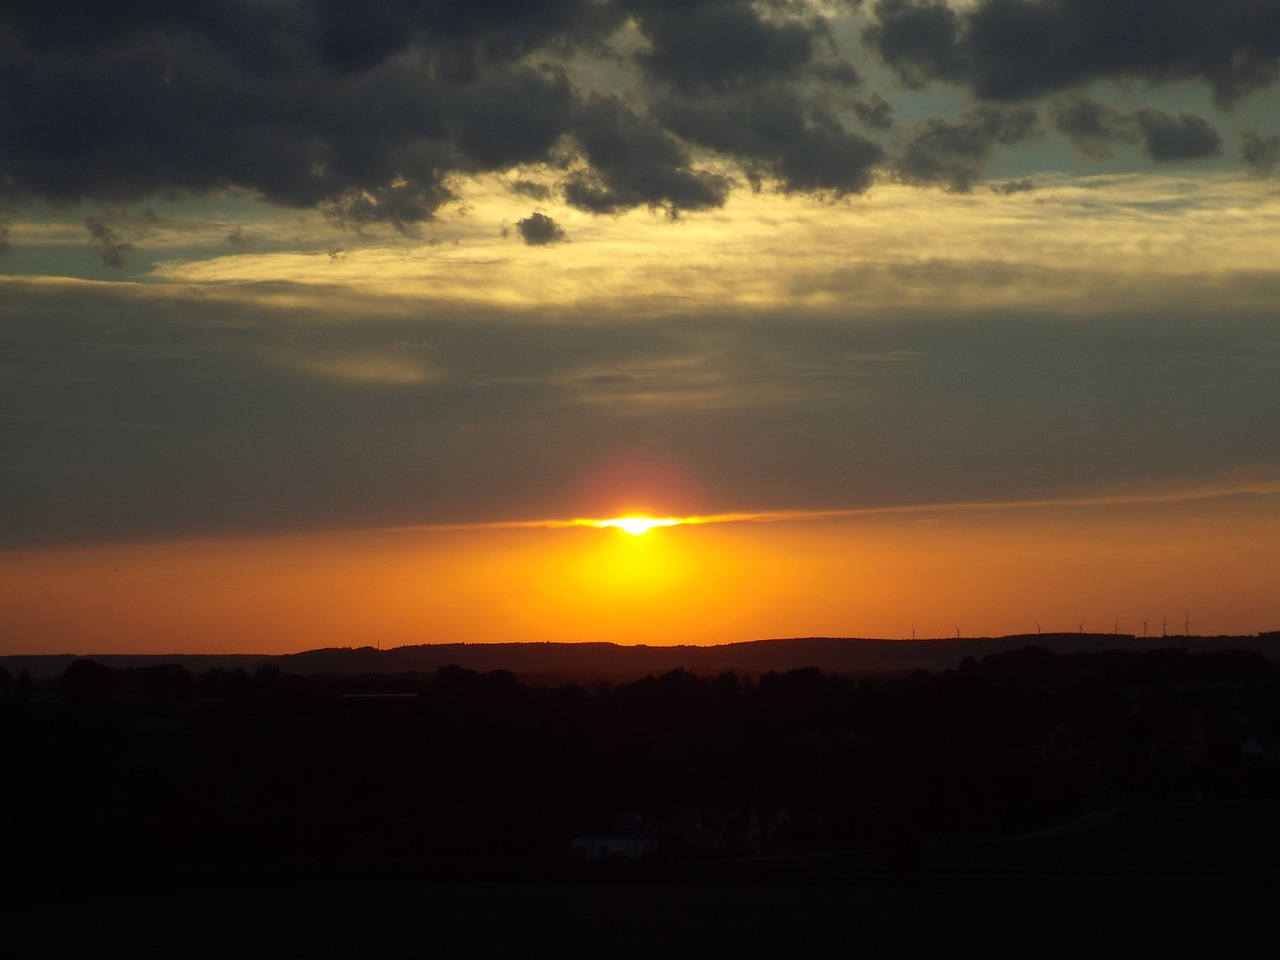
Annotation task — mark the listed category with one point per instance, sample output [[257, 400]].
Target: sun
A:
[[638, 526]]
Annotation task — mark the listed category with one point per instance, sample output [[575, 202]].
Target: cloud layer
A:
[[370, 109], [375, 112], [293, 349], [1018, 49]]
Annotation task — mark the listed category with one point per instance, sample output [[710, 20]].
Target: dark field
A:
[[1031, 801], [675, 917]]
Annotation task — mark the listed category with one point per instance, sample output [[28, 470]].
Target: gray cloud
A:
[[953, 153], [461, 35], [1182, 137], [779, 136], [1015, 49], [1010, 187], [635, 162], [538, 229], [372, 111], [1093, 126], [529, 188], [511, 118], [519, 414], [919, 39], [367, 110], [1090, 124], [719, 44], [106, 241], [874, 111], [1261, 153]]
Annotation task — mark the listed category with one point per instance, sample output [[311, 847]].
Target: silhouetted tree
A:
[[219, 684], [168, 685], [86, 681]]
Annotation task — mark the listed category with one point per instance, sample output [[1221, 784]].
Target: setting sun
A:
[[637, 526]]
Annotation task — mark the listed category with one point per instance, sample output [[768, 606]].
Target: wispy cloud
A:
[[1155, 495], [78, 423], [370, 369], [1068, 245]]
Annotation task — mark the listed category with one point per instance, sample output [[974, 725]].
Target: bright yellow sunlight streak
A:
[[637, 526]]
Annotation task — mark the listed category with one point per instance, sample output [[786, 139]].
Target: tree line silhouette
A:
[[158, 766]]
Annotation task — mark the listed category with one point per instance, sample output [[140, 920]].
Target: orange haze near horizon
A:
[[994, 573]]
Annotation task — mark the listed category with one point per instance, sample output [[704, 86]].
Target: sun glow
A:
[[637, 526]]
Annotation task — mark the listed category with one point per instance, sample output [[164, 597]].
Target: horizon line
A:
[[942, 638]]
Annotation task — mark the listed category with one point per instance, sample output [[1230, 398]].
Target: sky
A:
[[321, 322]]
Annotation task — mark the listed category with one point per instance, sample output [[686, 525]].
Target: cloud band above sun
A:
[[639, 524]]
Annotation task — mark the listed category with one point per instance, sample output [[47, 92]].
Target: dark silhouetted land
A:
[[1101, 778], [584, 662]]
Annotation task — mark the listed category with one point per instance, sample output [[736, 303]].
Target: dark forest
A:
[[1028, 766]]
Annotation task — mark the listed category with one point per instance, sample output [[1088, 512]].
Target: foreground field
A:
[[616, 917]]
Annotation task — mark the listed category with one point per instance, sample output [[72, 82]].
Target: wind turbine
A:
[[1037, 627], [1144, 628], [1186, 624], [913, 631], [957, 631], [1115, 628], [1164, 625], [1081, 628]]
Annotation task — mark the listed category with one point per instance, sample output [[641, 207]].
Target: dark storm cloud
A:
[[918, 39], [368, 110], [538, 229], [346, 37], [1090, 124], [372, 111], [183, 115], [719, 44], [953, 153], [1015, 49], [264, 34], [1093, 126], [635, 162], [1261, 153], [1182, 137], [515, 117], [780, 137]]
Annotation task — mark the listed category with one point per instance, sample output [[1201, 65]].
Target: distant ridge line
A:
[[610, 661]]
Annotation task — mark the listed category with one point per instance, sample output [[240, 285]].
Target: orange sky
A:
[[990, 572]]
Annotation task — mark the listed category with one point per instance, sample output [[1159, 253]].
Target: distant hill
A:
[[51, 665], [833, 654], [609, 661]]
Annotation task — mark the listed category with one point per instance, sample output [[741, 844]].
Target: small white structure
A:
[[609, 846]]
